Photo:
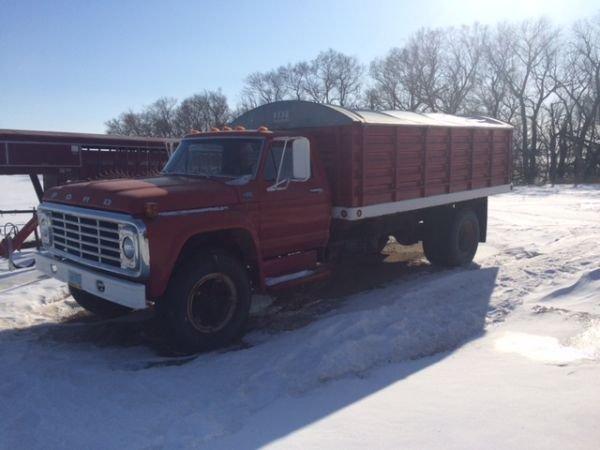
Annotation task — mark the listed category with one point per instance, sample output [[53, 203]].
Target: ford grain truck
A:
[[273, 201]]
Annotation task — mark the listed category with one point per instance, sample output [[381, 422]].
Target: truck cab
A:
[[233, 212]]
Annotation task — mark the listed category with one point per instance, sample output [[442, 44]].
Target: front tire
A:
[[98, 306], [207, 302]]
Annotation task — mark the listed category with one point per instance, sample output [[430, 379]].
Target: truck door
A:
[[295, 199]]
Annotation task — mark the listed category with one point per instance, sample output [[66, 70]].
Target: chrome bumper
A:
[[116, 290]]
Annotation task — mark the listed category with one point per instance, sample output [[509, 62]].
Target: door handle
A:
[[316, 190]]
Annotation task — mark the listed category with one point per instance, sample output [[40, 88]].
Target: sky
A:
[[73, 65]]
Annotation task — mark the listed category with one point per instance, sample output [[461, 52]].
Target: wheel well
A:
[[236, 242]]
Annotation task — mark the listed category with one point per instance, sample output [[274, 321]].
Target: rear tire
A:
[[207, 302], [432, 248], [98, 306], [464, 238], [454, 240]]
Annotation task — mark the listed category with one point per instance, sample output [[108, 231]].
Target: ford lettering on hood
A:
[[170, 193]]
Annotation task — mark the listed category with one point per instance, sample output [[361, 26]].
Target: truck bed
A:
[[396, 160], [373, 164]]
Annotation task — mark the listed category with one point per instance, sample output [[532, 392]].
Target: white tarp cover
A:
[[428, 119]]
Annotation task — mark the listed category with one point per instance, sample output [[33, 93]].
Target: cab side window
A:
[[274, 160]]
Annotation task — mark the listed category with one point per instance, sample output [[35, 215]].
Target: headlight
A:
[[45, 228], [129, 247]]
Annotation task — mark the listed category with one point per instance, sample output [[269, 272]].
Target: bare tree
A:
[[335, 78], [201, 112], [165, 118], [260, 88], [395, 81], [348, 80], [580, 86], [130, 124], [435, 71], [320, 81], [491, 92], [462, 57], [526, 66], [425, 51], [332, 77], [161, 116], [295, 77]]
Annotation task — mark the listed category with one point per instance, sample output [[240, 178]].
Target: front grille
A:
[[85, 238]]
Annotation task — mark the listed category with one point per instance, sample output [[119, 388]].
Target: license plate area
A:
[[74, 279]]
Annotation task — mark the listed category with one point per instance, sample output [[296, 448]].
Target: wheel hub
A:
[[212, 302]]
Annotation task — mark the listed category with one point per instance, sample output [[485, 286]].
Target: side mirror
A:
[[301, 159]]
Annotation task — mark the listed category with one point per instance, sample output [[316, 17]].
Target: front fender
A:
[[169, 232]]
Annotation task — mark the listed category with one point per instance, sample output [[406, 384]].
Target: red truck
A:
[[271, 202]]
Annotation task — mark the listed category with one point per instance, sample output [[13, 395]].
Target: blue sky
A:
[[72, 65]]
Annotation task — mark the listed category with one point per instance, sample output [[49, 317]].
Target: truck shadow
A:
[[297, 307], [463, 321]]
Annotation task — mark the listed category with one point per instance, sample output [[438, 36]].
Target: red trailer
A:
[[62, 157], [274, 201]]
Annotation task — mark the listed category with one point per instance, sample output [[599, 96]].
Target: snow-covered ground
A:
[[16, 192], [504, 354]]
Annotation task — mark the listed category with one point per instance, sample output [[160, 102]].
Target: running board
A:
[[297, 278]]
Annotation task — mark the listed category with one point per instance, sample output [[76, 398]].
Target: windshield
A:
[[216, 157]]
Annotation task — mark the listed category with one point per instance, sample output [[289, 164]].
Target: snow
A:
[[503, 354], [16, 192]]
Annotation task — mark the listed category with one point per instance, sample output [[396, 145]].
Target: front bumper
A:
[[113, 289]]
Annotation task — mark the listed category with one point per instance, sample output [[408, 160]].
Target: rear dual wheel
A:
[[452, 240]]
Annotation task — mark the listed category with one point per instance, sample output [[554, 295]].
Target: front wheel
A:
[[207, 302]]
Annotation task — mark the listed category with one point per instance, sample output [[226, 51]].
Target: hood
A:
[[170, 193]]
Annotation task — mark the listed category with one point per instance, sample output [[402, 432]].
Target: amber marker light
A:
[[226, 128], [262, 129], [240, 128], [214, 129], [150, 210]]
